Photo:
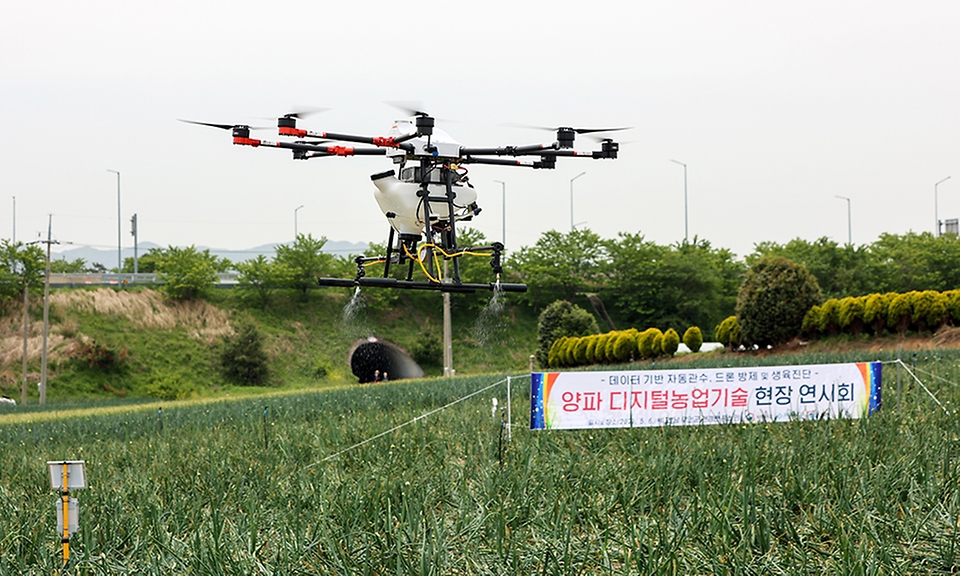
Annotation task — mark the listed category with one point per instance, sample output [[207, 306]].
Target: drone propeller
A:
[[409, 108], [567, 134], [225, 126], [568, 128]]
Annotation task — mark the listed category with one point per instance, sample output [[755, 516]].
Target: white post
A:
[[509, 419]]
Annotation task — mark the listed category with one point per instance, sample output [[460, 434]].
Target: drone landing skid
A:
[[460, 288]]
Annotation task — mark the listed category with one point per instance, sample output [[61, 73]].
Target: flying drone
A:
[[427, 195]]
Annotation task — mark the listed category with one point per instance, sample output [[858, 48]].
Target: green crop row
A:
[[217, 488]]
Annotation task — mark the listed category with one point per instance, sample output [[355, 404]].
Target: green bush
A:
[[649, 343], [561, 318], [810, 326], [427, 350], [97, 356], [693, 338], [728, 332], [580, 351], [243, 358], [624, 346], [775, 295], [899, 312], [322, 369], [569, 352], [671, 341], [829, 321], [553, 357], [850, 317], [171, 387], [875, 311], [953, 306], [592, 349], [929, 310]]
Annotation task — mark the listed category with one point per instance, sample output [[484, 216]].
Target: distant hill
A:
[[108, 257]]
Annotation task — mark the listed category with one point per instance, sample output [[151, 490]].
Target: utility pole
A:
[[133, 231], [26, 324], [46, 316], [119, 234], [14, 239]]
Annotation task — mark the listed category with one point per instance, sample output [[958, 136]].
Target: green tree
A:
[[20, 265], [243, 358], [305, 261], [561, 318], [146, 263], [917, 262], [675, 286], [63, 266], [186, 273], [773, 299], [261, 277], [840, 270], [559, 266]]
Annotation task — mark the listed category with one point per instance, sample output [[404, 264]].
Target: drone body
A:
[[427, 195]]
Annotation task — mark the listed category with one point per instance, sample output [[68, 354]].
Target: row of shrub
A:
[[920, 311], [620, 346], [928, 310]]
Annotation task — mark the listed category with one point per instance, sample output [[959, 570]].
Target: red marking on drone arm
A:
[[246, 142], [384, 141], [290, 131], [340, 150]]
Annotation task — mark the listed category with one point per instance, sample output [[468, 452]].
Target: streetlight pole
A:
[[849, 226], [686, 213], [936, 214], [296, 233], [503, 191], [571, 198], [119, 233]]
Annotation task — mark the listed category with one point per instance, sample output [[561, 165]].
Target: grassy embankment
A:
[[204, 492], [167, 349]]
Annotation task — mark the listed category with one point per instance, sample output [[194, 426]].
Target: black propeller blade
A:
[[570, 128], [409, 108], [225, 126]]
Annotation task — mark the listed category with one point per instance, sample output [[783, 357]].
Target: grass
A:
[[206, 493], [172, 349]]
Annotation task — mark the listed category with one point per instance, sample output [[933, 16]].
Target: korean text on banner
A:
[[569, 400]]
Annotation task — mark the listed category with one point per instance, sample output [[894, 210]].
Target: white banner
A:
[[568, 400]]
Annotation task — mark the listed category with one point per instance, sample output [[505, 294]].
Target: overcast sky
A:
[[776, 108]]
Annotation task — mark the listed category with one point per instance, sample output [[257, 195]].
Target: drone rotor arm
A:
[[508, 150], [495, 161]]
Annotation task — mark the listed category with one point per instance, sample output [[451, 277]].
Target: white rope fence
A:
[[925, 389], [417, 419]]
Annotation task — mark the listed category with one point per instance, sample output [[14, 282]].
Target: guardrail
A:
[[226, 280]]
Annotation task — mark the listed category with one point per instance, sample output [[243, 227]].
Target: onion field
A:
[[245, 486]]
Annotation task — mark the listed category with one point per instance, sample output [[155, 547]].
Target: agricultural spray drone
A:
[[427, 195]]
